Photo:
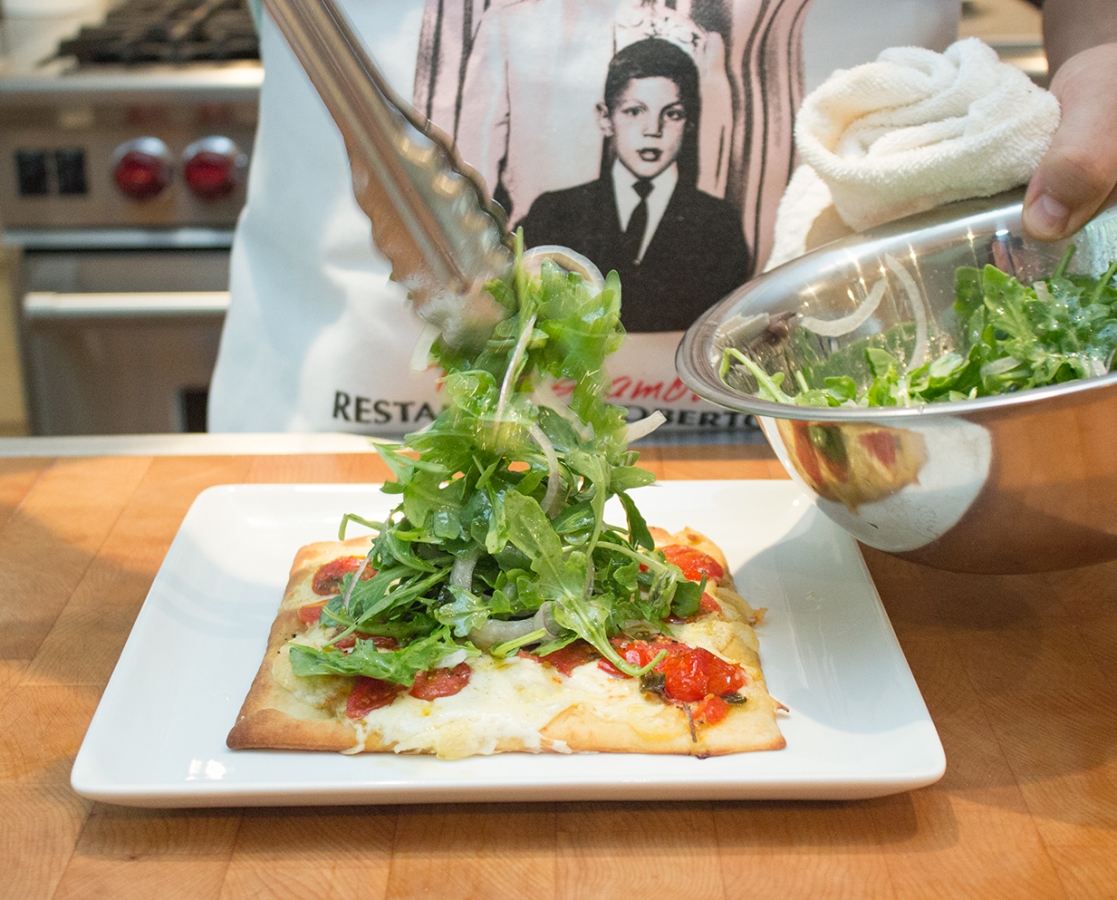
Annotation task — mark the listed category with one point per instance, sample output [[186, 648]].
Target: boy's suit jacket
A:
[[696, 256]]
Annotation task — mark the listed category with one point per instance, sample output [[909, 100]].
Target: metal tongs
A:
[[431, 215]]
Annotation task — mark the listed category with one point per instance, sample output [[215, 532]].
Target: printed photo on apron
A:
[[532, 91], [654, 137]]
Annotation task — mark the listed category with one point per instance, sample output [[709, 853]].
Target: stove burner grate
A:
[[167, 31]]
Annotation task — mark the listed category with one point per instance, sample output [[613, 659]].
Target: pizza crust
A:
[[274, 716], [512, 705]]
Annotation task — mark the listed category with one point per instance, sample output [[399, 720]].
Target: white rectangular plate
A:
[[856, 727]]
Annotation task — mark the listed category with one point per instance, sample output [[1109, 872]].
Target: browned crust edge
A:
[[260, 724]]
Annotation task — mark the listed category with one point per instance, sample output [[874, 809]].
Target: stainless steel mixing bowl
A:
[[1023, 482]]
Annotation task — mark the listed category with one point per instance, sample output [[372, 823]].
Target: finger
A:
[[1078, 174]]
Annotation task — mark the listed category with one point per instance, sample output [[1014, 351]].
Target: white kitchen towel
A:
[[912, 130]]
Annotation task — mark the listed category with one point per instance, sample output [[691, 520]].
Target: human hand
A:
[[1078, 175]]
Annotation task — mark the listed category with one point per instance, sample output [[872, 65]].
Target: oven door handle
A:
[[50, 305]]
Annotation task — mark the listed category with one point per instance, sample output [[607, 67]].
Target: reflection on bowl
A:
[[1022, 482], [855, 463]]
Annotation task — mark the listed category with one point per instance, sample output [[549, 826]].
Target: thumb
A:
[[1078, 174]]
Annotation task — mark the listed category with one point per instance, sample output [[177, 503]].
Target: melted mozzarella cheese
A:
[[505, 700]]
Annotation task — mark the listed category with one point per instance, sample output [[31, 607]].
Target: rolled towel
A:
[[916, 129]]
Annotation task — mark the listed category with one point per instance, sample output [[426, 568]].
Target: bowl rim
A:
[[692, 358]]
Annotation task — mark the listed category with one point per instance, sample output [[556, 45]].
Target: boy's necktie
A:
[[638, 221]]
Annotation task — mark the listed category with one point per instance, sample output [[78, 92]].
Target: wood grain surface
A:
[[1019, 673]]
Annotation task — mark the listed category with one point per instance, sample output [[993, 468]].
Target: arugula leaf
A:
[[532, 533], [637, 526], [398, 666]]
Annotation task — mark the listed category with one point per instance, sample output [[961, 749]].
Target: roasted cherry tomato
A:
[[568, 658], [636, 653], [379, 641], [691, 675], [687, 675], [708, 604], [311, 613], [724, 677], [441, 682], [328, 578], [369, 694], [694, 563], [709, 710]]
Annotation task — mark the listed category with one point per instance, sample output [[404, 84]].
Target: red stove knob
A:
[[213, 167], [142, 167]]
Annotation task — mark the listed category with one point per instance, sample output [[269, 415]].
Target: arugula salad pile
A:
[[1014, 337], [500, 539]]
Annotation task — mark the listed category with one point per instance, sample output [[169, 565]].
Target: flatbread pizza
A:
[[706, 696]]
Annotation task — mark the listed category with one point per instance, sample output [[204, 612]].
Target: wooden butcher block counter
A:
[[1019, 675]]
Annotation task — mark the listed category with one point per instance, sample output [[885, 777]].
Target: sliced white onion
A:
[[999, 366], [544, 395], [513, 369], [567, 259], [420, 356], [352, 584], [495, 631], [452, 659], [846, 324], [553, 477], [543, 619], [644, 426], [461, 575], [918, 310], [1042, 291]]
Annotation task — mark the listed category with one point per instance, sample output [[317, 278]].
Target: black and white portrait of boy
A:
[[678, 250]]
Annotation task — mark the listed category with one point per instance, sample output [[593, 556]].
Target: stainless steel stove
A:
[[167, 31], [125, 133]]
